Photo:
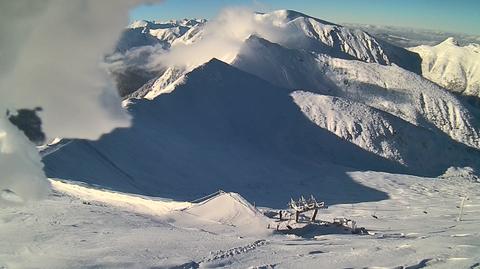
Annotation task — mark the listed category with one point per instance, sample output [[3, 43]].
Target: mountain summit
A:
[[452, 66]]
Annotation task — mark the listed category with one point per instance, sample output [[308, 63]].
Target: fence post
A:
[[462, 204]]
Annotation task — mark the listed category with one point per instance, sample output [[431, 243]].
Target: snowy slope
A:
[[384, 134], [452, 66], [388, 88], [408, 96], [165, 83], [416, 227]]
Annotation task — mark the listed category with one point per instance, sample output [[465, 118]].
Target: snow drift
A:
[[231, 209], [134, 203]]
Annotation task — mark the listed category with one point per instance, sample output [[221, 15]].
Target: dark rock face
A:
[[131, 79], [30, 123]]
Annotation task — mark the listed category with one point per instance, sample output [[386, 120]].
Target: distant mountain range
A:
[[412, 37]]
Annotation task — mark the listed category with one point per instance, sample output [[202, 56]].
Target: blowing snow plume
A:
[[50, 54], [223, 38]]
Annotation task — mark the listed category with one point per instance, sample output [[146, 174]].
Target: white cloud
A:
[[50, 57]]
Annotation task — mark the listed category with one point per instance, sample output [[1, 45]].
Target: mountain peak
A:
[[139, 24], [290, 15], [451, 41], [213, 64]]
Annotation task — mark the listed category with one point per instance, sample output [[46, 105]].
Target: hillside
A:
[[388, 88]]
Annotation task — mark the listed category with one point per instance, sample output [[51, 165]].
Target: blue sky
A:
[[461, 16]]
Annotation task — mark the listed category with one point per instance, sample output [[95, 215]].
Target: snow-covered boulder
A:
[[461, 173]]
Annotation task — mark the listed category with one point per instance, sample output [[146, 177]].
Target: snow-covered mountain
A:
[[452, 66], [140, 41], [388, 88], [384, 134], [289, 28], [221, 128], [305, 32], [281, 108], [224, 128], [319, 36], [141, 33]]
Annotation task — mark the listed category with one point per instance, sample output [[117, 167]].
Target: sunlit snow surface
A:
[[77, 227], [452, 66]]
